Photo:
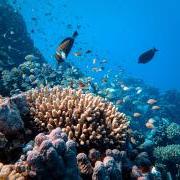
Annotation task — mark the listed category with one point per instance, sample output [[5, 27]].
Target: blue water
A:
[[118, 31]]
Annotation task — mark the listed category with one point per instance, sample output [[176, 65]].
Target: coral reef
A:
[[94, 168], [12, 129], [87, 119], [84, 165], [31, 74], [173, 131], [22, 66], [53, 157], [50, 157], [15, 42], [90, 125], [10, 117], [10, 172], [171, 101], [169, 153]]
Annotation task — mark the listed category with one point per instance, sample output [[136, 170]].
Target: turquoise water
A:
[[117, 31]]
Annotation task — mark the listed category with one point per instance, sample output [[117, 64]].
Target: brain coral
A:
[[89, 120]]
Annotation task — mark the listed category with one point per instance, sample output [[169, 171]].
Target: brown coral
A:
[[87, 119], [10, 172]]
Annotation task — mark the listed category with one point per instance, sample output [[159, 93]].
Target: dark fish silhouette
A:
[[147, 56], [64, 48]]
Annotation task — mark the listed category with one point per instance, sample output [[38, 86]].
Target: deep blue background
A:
[[117, 30]]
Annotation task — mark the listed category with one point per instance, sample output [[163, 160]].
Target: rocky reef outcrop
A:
[[22, 66], [88, 119], [15, 42]]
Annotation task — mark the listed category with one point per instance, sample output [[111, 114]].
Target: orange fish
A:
[[81, 84], [150, 125], [151, 101], [64, 48]]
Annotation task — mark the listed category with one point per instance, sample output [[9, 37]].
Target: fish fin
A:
[[155, 49], [75, 34]]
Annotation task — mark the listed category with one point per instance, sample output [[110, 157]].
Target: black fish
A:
[[147, 56], [64, 48]]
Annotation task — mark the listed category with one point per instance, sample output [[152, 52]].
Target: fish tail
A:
[[75, 34], [156, 49]]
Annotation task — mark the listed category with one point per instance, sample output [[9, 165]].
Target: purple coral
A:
[[99, 172], [52, 157]]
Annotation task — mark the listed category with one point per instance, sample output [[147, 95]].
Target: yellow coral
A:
[[87, 119], [9, 172]]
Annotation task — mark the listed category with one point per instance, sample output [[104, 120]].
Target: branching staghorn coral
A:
[[87, 119], [169, 153], [173, 131]]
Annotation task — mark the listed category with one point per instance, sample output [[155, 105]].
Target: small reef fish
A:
[[138, 90], [133, 141], [77, 54], [71, 84], [103, 61], [125, 88], [31, 57], [150, 125], [119, 101], [48, 14], [34, 19], [81, 84], [94, 61], [147, 56], [151, 101], [155, 108], [151, 120], [104, 80], [96, 69], [136, 115], [88, 51], [65, 47]]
